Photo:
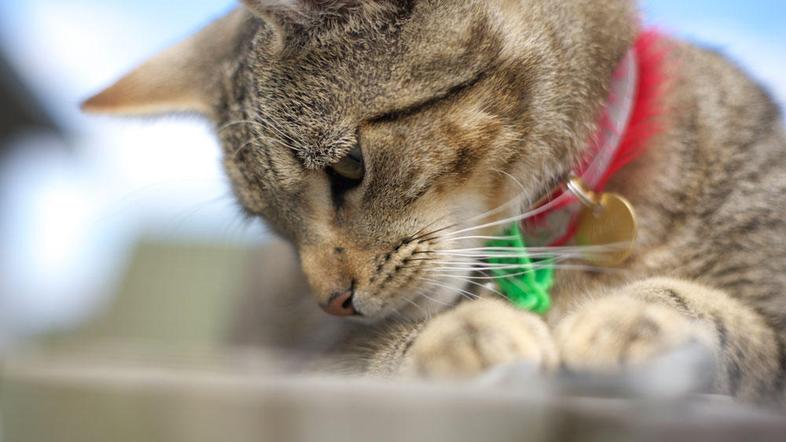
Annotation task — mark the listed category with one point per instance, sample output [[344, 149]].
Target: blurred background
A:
[[93, 210], [120, 238]]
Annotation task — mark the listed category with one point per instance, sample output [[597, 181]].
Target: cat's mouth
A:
[[416, 303], [414, 277], [406, 283]]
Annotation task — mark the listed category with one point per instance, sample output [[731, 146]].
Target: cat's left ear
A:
[[184, 78]]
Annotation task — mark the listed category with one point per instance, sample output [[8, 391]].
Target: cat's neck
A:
[[626, 123]]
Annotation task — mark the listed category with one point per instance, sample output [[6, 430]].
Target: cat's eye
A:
[[351, 167]]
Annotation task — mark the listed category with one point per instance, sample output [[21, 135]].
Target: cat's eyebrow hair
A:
[[423, 105]]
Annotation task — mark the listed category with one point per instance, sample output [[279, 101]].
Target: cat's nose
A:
[[340, 304]]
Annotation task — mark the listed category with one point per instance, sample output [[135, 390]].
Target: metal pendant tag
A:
[[607, 223]]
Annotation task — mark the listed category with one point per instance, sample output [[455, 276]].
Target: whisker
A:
[[487, 286], [462, 292], [517, 218], [484, 266], [490, 238], [487, 263], [457, 269], [436, 301], [518, 199], [428, 235], [419, 233], [504, 258], [512, 254], [577, 267], [476, 268], [424, 311], [606, 247], [421, 259]]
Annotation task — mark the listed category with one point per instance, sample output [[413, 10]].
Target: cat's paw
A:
[[618, 331], [476, 336]]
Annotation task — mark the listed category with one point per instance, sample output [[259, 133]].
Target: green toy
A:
[[527, 282]]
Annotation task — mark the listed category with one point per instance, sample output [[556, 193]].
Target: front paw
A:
[[618, 331], [476, 336]]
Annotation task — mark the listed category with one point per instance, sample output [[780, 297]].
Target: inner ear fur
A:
[[183, 78]]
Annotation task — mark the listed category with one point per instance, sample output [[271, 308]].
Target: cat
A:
[[374, 135]]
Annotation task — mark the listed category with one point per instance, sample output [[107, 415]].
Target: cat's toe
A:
[[476, 336], [620, 331]]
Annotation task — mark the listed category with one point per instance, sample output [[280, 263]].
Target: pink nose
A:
[[340, 304]]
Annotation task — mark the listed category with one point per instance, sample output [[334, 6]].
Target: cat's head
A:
[[375, 134]]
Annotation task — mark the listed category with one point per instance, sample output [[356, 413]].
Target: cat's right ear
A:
[[184, 78]]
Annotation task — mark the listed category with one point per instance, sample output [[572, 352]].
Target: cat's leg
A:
[[478, 335], [646, 319]]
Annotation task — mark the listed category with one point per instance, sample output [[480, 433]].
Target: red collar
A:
[[628, 121]]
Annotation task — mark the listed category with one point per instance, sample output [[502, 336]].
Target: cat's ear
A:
[[184, 78]]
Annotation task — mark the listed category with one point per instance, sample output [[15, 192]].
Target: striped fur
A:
[[460, 105]]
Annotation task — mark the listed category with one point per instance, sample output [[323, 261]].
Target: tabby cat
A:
[[382, 137]]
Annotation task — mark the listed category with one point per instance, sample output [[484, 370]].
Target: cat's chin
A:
[[413, 309]]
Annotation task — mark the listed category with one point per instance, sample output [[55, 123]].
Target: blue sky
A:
[[762, 17], [125, 32], [114, 182]]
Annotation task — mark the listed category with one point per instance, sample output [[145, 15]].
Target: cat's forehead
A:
[[317, 94]]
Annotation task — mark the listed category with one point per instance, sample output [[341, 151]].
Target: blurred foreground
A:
[[163, 363]]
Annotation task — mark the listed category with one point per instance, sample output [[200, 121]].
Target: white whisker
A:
[[424, 311], [530, 250], [534, 255], [513, 219], [488, 287], [487, 266], [436, 301], [516, 200], [462, 292], [578, 267], [490, 238]]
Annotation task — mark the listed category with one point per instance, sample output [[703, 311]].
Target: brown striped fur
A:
[[449, 100]]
